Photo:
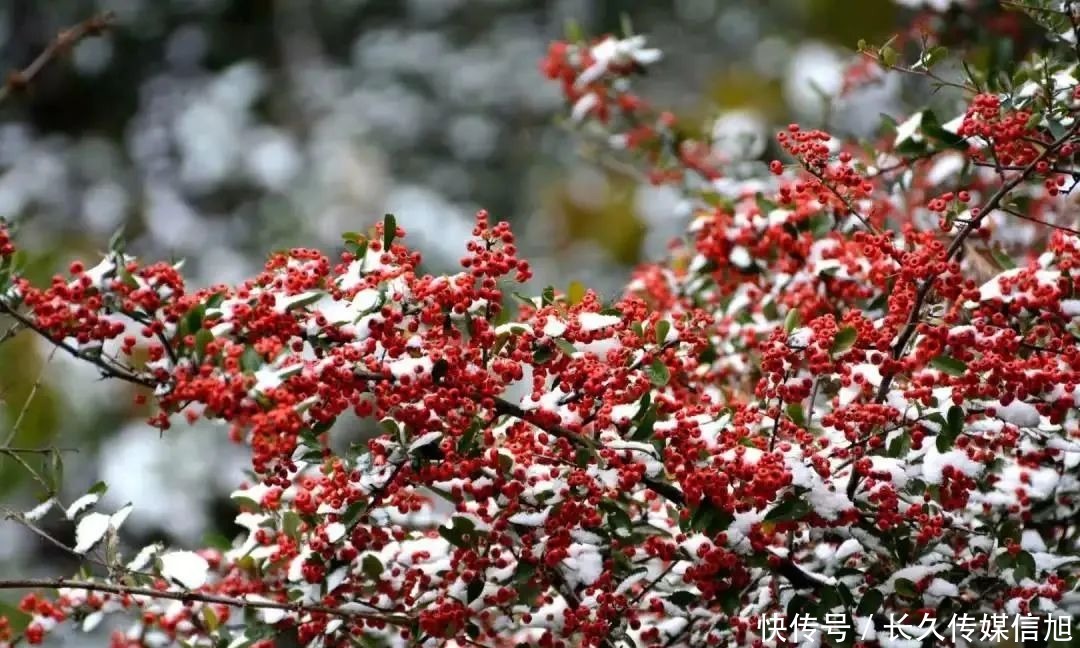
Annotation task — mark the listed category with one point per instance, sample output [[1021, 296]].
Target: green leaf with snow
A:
[[460, 532], [949, 365], [792, 320], [844, 340], [658, 373], [870, 603], [794, 508]]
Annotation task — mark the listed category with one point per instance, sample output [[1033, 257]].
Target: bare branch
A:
[[64, 41], [199, 597]]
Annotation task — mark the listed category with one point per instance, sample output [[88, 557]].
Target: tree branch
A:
[[199, 597], [19, 79]]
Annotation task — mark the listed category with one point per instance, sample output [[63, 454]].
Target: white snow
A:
[[934, 463], [335, 531], [408, 367], [597, 321], [554, 328], [584, 564], [1018, 413]]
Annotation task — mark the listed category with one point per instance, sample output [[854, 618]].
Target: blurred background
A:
[[218, 130]]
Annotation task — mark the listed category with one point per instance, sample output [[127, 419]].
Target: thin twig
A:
[[110, 370], [199, 597], [1032, 219], [19, 79], [29, 400]]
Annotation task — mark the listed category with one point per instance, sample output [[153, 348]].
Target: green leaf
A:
[[117, 242], [290, 524], [795, 413], [870, 603], [467, 442], [251, 360], [56, 471], [934, 55], [844, 340], [906, 588], [949, 365], [548, 296], [794, 508], [1025, 566], [658, 373], [542, 354], [1004, 260], [617, 518], [663, 327], [17, 618], [645, 425], [389, 231], [461, 532], [474, 589], [709, 519], [193, 321], [575, 292], [566, 346], [98, 488], [216, 540], [682, 598], [202, 338], [954, 425], [210, 618], [764, 205], [889, 56], [931, 126], [792, 320]]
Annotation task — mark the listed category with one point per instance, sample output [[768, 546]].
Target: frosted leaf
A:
[[81, 504], [40, 510], [91, 529], [186, 568], [142, 559]]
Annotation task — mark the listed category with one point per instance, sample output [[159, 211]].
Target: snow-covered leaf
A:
[[40, 510], [186, 568], [90, 530], [81, 504]]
